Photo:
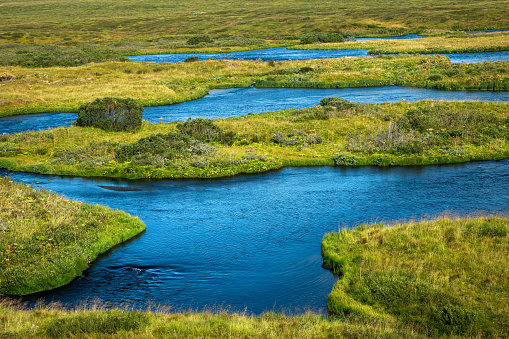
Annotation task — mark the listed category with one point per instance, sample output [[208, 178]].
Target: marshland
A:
[[231, 209]]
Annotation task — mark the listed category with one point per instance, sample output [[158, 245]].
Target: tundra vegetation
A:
[[338, 132], [35, 34], [46, 241], [61, 89], [459, 42], [442, 277]]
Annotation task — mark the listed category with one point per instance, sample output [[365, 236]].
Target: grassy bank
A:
[[447, 276], [453, 43], [442, 278], [52, 322], [46, 241], [338, 133], [57, 89]]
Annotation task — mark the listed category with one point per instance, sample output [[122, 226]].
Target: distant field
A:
[[51, 21]]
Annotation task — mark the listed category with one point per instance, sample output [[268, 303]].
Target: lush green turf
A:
[[447, 276], [60, 89], [46, 241], [345, 134]]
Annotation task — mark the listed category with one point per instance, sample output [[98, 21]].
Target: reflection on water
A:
[[254, 241]]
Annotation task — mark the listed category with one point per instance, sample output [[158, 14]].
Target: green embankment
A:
[[452, 43], [446, 276], [46, 241], [60, 89], [339, 132]]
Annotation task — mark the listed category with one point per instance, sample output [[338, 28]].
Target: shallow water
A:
[[253, 242], [224, 103], [282, 53], [276, 54]]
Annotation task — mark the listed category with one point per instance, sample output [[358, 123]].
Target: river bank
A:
[[47, 241]]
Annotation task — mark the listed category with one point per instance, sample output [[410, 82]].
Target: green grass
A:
[[49, 22], [452, 43], [46, 241], [400, 133], [61, 89], [96, 322], [447, 276]]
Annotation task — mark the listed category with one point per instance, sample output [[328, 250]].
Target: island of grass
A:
[[459, 42], [64, 89], [446, 276], [46, 241], [339, 132]]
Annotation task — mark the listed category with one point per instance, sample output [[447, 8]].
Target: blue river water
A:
[[282, 53], [224, 103], [253, 242]]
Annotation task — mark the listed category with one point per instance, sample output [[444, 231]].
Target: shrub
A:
[[191, 59], [111, 114], [345, 160], [296, 138], [195, 40], [339, 103]]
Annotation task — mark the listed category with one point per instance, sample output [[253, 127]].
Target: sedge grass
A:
[[464, 43]]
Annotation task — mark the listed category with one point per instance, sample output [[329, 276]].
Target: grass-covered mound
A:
[[46, 241], [338, 132], [446, 276]]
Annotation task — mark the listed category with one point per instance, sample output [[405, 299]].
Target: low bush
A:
[[315, 37], [296, 138], [111, 114], [195, 40]]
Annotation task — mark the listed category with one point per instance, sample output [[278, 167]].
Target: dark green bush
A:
[[195, 40], [169, 146], [111, 114], [339, 103], [191, 59], [316, 37]]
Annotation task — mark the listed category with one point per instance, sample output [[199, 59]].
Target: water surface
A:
[[282, 53], [224, 103], [253, 242]]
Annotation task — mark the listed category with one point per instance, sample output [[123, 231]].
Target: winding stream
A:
[[282, 53], [223, 103], [253, 242]]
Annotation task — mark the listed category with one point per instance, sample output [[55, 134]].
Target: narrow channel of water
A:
[[224, 103], [282, 53], [253, 242]]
